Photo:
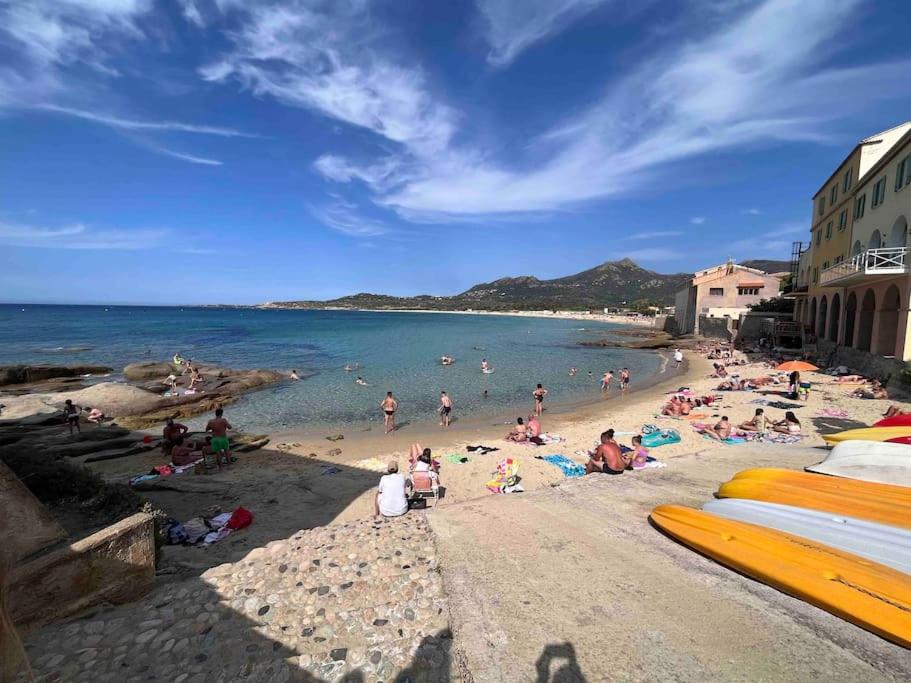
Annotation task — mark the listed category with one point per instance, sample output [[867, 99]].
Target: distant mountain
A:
[[614, 283], [768, 266]]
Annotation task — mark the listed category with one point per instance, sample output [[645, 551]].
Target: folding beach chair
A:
[[423, 487]]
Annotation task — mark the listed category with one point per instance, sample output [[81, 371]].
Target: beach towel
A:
[[481, 450], [833, 412], [651, 463], [781, 405], [567, 466], [457, 459], [505, 478], [778, 437], [730, 441]]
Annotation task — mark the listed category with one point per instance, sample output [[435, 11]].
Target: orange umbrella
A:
[[799, 365]]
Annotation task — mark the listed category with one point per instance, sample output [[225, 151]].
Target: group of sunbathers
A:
[[680, 404], [759, 423], [526, 431], [875, 390]]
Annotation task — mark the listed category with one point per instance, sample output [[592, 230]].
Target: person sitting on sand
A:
[[172, 435], [189, 452], [719, 370], [71, 415], [757, 424], [721, 430], [422, 461], [640, 454], [533, 427], [672, 407], [686, 406], [519, 433], [876, 390], [94, 415], [894, 410], [391, 499], [221, 445], [607, 458], [789, 425]]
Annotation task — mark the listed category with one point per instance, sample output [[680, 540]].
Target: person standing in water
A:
[[445, 409], [539, 393], [484, 365], [624, 379], [389, 406], [606, 380]]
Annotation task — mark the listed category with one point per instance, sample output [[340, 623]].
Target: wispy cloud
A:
[[697, 220], [344, 217], [511, 26], [755, 80], [133, 124], [657, 254], [751, 212], [80, 237], [654, 235], [184, 156]]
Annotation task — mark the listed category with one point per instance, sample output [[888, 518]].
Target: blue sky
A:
[[223, 151]]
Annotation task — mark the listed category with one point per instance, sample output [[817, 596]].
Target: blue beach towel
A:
[[569, 468]]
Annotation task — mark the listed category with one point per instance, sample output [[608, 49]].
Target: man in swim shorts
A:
[[607, 458], [220, 444], [445, 409], [624, 379], [389, 406]]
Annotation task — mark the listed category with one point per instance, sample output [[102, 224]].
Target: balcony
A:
[[873, 263]]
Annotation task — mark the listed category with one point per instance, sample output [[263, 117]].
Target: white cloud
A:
[[80, 237], [511, 26], [342, 216], [755, 80], [655, 234], [133, 124], [751, 212], [191, 12], [184, 156], [697, 220]]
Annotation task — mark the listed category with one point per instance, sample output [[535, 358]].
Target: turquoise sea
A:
[[398, 352]]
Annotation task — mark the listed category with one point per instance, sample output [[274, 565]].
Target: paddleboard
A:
[[861, 507], [868, 594], [877, 542], [881, 462], [867, 434], [809, 480], [900, 439]]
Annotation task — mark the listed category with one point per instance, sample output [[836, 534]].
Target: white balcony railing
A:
[[884, 261]]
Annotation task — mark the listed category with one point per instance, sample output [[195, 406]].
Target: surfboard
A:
[[868, 594], [862, 507], [867, 434], [877, 542], [881, 462]]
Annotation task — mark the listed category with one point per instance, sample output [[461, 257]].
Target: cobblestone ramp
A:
[[361, 601]]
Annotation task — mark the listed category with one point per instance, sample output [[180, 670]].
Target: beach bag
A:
[[241, 519]]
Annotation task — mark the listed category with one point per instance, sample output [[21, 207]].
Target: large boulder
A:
[[25, 374], [137, 372]]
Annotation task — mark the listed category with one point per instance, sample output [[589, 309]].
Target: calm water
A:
[[397, 352]]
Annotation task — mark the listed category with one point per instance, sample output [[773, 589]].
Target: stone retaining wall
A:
[[115, 565]]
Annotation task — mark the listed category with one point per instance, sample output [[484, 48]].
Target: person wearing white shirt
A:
[[678, 357], [391, 500]]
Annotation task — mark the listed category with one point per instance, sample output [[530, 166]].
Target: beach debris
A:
[[335, 451], [336, 437]]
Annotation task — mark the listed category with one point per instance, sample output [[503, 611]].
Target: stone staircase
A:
[[363, 598]]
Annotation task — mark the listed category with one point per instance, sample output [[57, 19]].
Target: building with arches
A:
[[856, 283]]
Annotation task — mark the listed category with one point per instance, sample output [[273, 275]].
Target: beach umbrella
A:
[[799, 365]]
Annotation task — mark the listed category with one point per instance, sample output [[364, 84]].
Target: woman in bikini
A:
[[789, 425], [539, 393]]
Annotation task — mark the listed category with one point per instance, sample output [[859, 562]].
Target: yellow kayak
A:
[[822, 482], [867, 434], [868, 594], [885, 510]]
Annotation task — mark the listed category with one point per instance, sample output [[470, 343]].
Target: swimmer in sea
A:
[[389, 406], [349, 367], [360, 380], [294, 375], [572, 372]]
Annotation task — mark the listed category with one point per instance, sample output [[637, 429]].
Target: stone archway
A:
[[835, 318], [857, 248], [898, 236], [823, 311], [865, 324], [850, 317], [811, 320], [875, 241], [888, 322]]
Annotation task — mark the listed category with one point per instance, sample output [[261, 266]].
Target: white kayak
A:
[[881, 543], [877, 461]]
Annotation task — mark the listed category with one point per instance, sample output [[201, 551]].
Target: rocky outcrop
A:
[[24, 374]]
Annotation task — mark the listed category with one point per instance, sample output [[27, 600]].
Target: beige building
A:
[[861, 301], [724, 291]]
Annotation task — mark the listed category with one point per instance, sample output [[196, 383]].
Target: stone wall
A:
[[115, 565], [714, 328], [26, 526], [864, 362]]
